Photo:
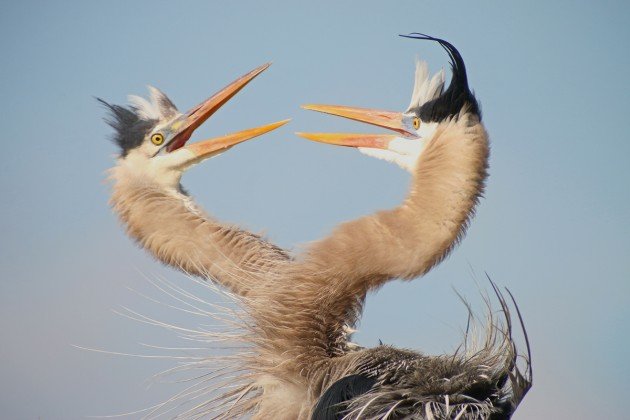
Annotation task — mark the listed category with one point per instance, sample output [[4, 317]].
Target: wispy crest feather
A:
[[425, 89], [132, 123], [158, 107], [294, 358]]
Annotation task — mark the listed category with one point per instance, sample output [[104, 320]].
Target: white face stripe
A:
[[404, 152], [406, 162], [426, 130], [406, 147]]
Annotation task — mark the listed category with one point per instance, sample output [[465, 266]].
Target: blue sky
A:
[[554, 226]]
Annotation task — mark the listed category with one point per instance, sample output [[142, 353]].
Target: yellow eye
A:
[[157, 139], [416, 123]]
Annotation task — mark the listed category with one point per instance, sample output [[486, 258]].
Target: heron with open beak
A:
[[430, 106], [295, 356], [147, 195], [441, 140]]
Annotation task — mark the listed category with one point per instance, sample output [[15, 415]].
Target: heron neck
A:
[[169, 224], [337, 272], [410, 239]]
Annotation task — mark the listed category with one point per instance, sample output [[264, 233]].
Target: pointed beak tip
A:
[[307, 136], [199, 114], [259, 69], [278, 124]]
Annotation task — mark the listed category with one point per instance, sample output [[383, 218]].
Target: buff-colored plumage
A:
[[299, 310], [302, 306], [169, 224]]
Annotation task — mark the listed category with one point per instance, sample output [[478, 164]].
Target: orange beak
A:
[[385, 119], [207, 147], [189, 122]]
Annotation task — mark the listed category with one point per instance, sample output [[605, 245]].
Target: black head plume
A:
[[129, 127], [458, 93]]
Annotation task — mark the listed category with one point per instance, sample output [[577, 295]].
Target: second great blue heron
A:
[[300, 310]]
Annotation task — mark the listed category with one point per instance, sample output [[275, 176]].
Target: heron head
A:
[[430, 105], [153, 133]]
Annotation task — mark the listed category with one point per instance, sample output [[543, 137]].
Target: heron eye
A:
[[157, 139], [416, 123]]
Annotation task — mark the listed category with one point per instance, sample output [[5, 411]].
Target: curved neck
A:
[[168, 224], [337, 271], [409, 240]]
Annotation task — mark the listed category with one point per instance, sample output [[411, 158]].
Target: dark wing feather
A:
[[330, 406]]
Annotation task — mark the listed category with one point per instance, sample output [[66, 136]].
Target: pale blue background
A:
[[553, 81]]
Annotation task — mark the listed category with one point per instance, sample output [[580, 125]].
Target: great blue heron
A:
[[301, 309]]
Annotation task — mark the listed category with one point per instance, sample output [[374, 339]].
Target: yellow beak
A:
[[190, 121], [207, 147], [385, 119]]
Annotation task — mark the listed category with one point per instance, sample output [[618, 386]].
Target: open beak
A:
[[385, 119], [189, 122], [206, 148]]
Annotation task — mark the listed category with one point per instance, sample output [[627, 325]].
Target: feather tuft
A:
[[457, 96]]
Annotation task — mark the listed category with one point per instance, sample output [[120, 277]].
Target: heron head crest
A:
[[133, 123], [458, 94]]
